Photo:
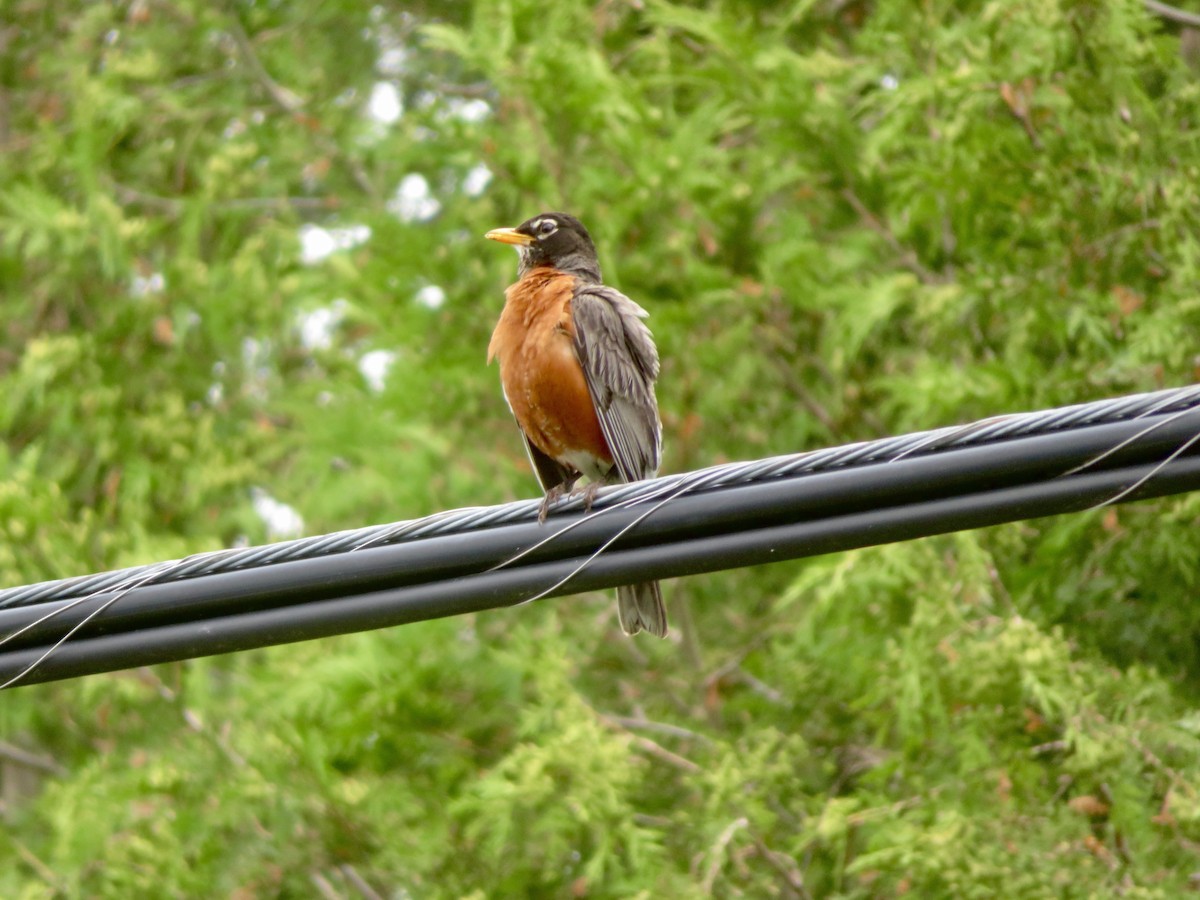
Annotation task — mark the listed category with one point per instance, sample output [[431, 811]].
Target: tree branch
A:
[[1173, 14], [174, 206], [287, 99], [907, 256], [15, 754]]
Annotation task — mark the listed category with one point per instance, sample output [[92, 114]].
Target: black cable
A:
[[1141, 408], [802, 497], [791, 517]]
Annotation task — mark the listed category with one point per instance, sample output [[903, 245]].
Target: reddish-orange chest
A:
[[540, 371]]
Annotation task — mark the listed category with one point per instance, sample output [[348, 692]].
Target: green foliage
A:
[[847, 220]]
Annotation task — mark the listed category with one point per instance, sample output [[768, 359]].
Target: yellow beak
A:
[[508, 236]]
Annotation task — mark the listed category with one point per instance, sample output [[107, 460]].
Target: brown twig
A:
[[479, 91], [287, 99], [292, 103], [190, 717], [1050, 747], [46, 873], [878, 812], [173, 206], [1016, 99], [868, 416], [689, 635], [908, 257], [662, 753], [324, 888], [617, 723], [778, 330], [547, 153], [15, 754], [360, 883], [717, 851], [733, 670], [1151, 758], [1173, 14], [1117, 233], [786, 866], [653, 821], [760, 687], [633, 724]]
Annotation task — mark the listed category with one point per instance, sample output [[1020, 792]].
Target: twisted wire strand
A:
[[883, 450]]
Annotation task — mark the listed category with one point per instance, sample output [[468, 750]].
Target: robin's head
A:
[[555, 240]]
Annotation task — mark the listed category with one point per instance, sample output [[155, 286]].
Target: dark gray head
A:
[[555, 240]]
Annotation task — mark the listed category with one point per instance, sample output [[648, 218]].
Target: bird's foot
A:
[[553, 495], [589, 492], [559, 491]]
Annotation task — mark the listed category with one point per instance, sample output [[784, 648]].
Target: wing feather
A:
[[620, 364]]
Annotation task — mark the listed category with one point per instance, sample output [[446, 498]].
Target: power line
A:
[[999, 470], [1146, 408]]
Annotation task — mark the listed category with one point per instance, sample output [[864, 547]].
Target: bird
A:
[[578, 367]]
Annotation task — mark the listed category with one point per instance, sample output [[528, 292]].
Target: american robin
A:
[[577, 366]]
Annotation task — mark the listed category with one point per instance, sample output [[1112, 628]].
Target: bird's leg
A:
[[553, 496], [589, 494]]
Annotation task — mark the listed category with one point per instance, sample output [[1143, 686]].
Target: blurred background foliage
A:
[[245, 295]]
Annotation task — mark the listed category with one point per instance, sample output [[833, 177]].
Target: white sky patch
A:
[[374, 367], [146, 285], [256, 358], [316, 242], [316, 326], [413, 201], [467, 110], [385, 106], [393, 56], [255, 353], [476, 180], [282, 521], [431, 297]]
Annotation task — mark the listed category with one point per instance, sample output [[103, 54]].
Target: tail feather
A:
[[640, 606]]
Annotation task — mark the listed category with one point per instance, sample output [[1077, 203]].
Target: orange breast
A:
[[542, 378]]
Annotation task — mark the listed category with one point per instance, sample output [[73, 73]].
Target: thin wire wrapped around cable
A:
[[992, 471], [183, 638], [474, 518]]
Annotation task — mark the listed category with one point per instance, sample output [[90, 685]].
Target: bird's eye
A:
[[547, 227]]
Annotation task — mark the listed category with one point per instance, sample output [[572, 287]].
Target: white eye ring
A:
[[545, 227]]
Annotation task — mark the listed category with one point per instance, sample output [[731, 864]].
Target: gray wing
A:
[[620, 363]]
